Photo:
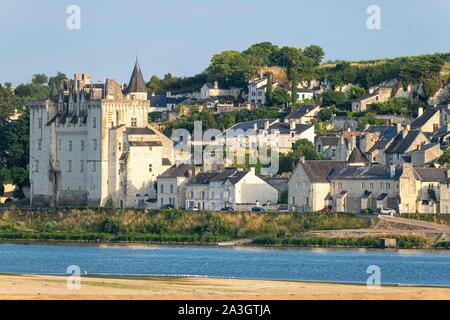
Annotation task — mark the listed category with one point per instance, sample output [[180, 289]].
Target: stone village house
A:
[[319, 184]]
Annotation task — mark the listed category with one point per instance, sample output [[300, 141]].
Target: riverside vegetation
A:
[[177, 226]]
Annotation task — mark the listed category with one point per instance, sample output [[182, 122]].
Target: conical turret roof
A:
[[137, 83]]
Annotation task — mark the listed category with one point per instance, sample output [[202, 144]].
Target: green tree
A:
[[40, 79], [231, 68], [302, 148], [261, 54], [332, 97], [444, 159], [279, 97], [430, 87], [155, 85], [315, 53], [325, 114], [355, 92], [56, 80]]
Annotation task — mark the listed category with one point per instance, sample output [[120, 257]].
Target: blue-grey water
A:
[[332, 265]]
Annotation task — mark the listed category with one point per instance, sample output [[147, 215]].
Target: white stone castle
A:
[[91, 145]]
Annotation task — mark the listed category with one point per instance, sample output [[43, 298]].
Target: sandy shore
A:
[[55, 287]]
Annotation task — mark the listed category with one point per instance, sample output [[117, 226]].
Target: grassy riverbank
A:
[[186, 227], [403, 242], [169, 226]]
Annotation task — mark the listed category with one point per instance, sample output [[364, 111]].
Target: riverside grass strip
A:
[[141, 225]]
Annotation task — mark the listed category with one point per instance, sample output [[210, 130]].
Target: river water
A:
[[423, 267]]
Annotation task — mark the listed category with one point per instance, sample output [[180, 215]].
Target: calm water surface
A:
[[336, 265]]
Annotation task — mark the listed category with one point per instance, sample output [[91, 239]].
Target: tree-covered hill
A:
[[235, 68]]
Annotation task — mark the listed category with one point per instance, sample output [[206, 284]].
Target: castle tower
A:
[[137, 89]]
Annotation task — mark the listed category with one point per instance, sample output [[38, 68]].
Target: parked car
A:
[[388, 212], [193, 208], [326, 210], [259, 209], [167, 207], [227, 209]]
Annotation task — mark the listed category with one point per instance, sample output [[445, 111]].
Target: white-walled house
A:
[[245, 135], [228, 189], [257, 89]]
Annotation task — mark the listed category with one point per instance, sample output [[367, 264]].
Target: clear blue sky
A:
[[180, 36]]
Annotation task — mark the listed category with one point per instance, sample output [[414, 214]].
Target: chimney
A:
[[392, 170], [353, 143], [448, 106], [266, 124], [216, 84], [168, 94], [404, 133], [302, 159], [292, 124], [366, 127], [255, 126], [399, 128], [408, 127], [420, 112]]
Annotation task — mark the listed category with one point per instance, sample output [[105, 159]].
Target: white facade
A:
[[76, 145], [215, 193]]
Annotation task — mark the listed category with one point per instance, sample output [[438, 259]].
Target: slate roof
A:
[[166, 162], [400, 145], [357, 157], [278, 183], [301, 111], [233, 175], [284, 128], [423, 119], [386, 132], [366, 173], [158, 101], [319, 170], [380, 144], [382, 196], [202, 178], [329, 140], [429, 146], [248, 125], [431, 174], [139, 131], [146, 144], [181, 170], [137, 83]]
